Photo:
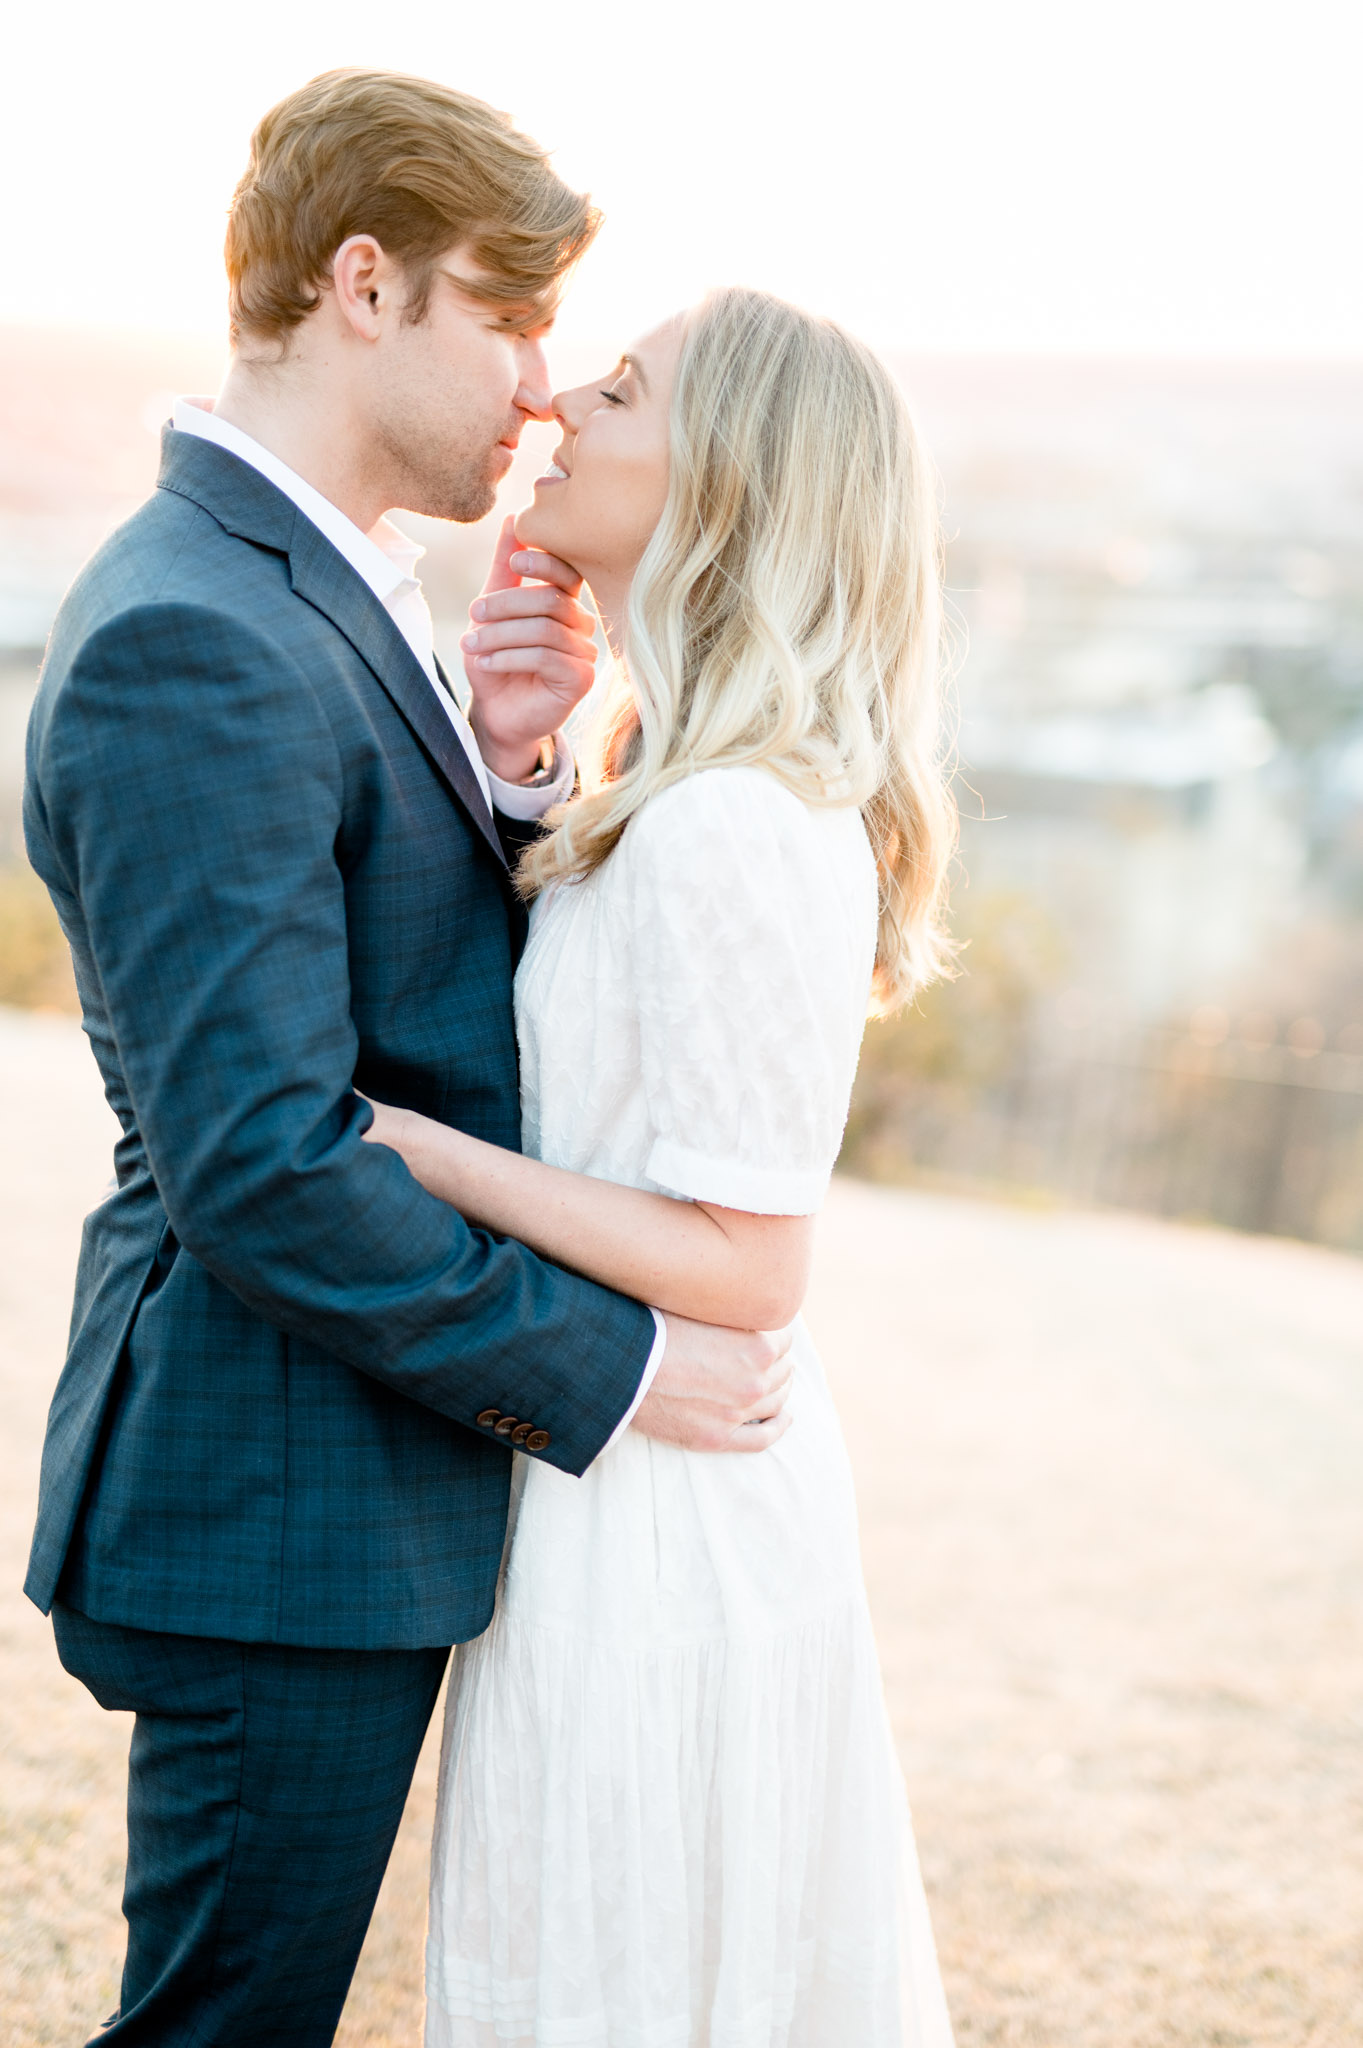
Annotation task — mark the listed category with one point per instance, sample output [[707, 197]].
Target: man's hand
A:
[[718, 1390], [529, 655]]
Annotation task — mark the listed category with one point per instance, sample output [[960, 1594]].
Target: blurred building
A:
[[1153, 834], [1158, 578]]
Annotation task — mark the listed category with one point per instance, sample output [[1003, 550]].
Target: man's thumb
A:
[[501, 575]]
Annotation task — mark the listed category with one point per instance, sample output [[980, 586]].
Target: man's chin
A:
[[460, 497], [468, 506], [465, 510]]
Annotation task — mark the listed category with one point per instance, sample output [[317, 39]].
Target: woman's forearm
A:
[[690, 1258]]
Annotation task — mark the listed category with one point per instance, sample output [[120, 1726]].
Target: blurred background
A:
[[1107, 1464]]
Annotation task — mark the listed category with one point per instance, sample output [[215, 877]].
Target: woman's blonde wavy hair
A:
[[786, 613]]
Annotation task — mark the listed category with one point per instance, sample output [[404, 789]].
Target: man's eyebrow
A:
[[529, 312], [633, 363]]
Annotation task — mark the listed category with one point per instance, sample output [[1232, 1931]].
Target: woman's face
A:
[[603, 494]]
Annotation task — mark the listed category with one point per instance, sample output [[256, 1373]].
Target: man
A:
[[276, 1472]]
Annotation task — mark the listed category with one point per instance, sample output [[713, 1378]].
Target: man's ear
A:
[[366, 285]]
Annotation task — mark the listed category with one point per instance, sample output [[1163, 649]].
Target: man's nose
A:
[[534, 394]]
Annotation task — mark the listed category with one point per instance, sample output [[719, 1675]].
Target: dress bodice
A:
[[690, 1014]]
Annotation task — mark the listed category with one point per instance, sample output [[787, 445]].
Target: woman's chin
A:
[[533, 530]]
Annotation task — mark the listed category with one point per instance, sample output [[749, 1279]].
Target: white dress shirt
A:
[[385, 559]]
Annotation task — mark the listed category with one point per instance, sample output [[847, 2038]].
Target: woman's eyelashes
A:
[[612, 397]]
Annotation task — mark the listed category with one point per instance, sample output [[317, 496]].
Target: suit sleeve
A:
[[193, 796]]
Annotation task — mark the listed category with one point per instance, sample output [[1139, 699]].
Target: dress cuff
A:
[[515, 800], [761, 1190], [655, 1359]]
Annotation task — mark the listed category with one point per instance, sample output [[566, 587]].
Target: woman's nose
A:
[[572, 407]]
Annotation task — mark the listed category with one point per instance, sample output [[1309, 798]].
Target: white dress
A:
[[670, 1812]]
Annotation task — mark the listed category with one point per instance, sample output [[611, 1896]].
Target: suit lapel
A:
[[331, 586], [246, 504]]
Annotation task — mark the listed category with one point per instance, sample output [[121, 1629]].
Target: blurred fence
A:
[[1259, 1137]]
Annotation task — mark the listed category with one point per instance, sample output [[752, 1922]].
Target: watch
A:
[[544, 773]]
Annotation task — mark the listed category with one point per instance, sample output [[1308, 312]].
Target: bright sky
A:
[[1172, 175]]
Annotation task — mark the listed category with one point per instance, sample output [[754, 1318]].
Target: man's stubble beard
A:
[[457, 485], [464, 495]]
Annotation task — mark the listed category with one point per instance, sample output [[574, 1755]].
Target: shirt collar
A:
[[384, 558]]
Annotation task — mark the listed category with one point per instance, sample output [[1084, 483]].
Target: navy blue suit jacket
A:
[[279, 883]]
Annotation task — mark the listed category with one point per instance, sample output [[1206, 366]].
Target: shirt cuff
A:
[[655, 1359], [515, 800]]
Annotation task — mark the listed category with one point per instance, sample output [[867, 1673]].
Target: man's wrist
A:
[[519, 760], [529, 800], [543, 770], [509, 764], [650, 1373]]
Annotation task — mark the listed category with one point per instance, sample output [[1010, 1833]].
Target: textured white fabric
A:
[[670, 1813]]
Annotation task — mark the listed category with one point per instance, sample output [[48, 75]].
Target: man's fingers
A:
[[771, 1375], [529, 633], [777, 1381], [501, 575], [545, 662], [533, 601], [762, 1409], [546, 568], [759, 1436], [762, 1383]]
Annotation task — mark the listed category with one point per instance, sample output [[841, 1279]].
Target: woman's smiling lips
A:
[[554, 474]]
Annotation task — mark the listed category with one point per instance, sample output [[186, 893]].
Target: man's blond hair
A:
[[416, 165]]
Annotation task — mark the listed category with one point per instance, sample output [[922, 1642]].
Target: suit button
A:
[[538, 1440], [522, 1431], [505, 1426], [488, 1417]]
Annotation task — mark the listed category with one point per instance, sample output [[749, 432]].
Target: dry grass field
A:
[[1110, 1482]]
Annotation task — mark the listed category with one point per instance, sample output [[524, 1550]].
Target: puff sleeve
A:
[[753, 934]]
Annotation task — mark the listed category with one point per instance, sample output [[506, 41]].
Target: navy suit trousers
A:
[[266, 1783]]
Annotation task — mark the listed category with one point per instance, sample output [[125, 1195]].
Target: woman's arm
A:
[[688, 1258]]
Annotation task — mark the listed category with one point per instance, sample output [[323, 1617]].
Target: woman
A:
[[669, 1810]]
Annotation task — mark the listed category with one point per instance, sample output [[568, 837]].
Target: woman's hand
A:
[[443, 1160], [395, 1128]]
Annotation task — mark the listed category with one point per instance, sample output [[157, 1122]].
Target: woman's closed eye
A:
[[612, 397]]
